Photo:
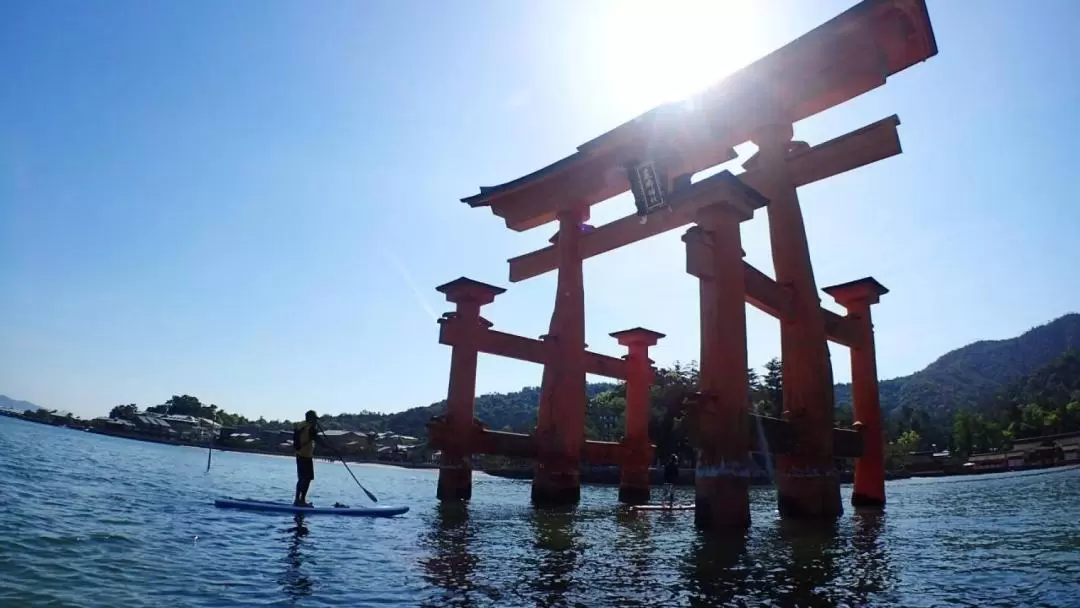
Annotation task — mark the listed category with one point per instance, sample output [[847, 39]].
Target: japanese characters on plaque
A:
[[649, 186]]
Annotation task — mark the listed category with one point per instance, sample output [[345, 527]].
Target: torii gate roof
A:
[[839, 60]]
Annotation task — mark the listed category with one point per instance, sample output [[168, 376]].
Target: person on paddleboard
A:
[[305, 436], [671, 477]]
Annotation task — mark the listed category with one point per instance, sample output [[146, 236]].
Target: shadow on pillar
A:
[[869, 490], [864, 502], [556, 490], [721, 477], [634, 485], [556, 481], [455, 479], [814, 500], [807, 486]]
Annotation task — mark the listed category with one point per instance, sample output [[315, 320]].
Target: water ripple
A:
[[92, 521]]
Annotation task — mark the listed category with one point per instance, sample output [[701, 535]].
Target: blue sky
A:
[[253, 201]]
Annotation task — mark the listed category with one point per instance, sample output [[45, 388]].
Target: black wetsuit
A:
[[671, 473]]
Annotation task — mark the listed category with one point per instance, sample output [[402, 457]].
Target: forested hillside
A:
[[974, 398], [967, 376], [1044, 402]]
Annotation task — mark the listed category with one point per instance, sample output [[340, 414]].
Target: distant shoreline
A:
[[593, 475], [215, 447], [225, 448]]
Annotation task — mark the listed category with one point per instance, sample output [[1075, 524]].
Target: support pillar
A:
[[638, 452], [722, 410], [561, 421], [857, 297], [455, 469], [807, 484]]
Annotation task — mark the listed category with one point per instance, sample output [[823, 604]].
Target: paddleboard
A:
[[288, 507], [662, 508]]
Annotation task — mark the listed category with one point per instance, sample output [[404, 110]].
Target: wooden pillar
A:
[[455, 470], [807, 484], [715, 255], [561, 421], [857, 297], [638, 453]]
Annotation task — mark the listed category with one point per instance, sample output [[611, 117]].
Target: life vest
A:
[[304, 439]]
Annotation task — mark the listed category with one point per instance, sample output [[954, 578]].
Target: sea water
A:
[[89, 520]]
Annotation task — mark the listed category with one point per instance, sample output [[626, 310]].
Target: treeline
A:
[[1045, 402], [671, 427], [969, 377], [180, 405], [515, 411], [187, 405]]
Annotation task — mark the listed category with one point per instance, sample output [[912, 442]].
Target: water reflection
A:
[[601, 557], [790, 563], [715, 569], [872, 570], [293, 581], [450, 565], [559, 545], [634, 545], [810, 567], [816, 563]]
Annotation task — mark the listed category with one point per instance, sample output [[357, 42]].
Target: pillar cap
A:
[[637, 335], [463, 289], [866, 288], [696, 235]]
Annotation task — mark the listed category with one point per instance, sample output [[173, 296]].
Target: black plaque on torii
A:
[[648, 182]]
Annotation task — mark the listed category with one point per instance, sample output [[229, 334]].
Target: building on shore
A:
[[1062, 448], [154, 426], [1031, 452], [190, 428], [117, 426], [929, 463], [255, 438], [351, 443]]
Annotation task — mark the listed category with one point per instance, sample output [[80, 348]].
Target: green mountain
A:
[[968, 376], [1044, 402]]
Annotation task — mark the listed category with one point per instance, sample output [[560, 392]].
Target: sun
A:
[[658, 52]]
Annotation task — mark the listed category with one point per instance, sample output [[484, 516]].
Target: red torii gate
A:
[[655, 156]]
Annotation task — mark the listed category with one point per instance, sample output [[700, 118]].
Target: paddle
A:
[[210, 451], [342, 459]]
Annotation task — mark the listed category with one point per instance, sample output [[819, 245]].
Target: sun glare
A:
[[660, 52]]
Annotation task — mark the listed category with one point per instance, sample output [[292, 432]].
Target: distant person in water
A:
[[671, 477], [305, 436]]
